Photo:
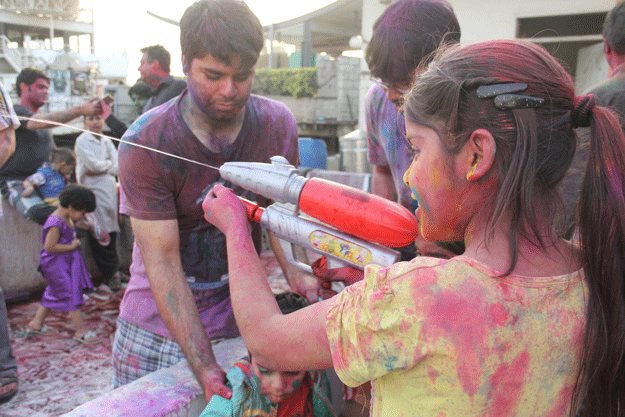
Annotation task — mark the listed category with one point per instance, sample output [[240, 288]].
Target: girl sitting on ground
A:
[[524, 323], [62, 264]]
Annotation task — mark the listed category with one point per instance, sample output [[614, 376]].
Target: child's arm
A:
[[303, 341], [51, 244], [29, 189], [35, 180], [93, 164]]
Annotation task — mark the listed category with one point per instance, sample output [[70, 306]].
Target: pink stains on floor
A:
[[57, 374], [506, 385]]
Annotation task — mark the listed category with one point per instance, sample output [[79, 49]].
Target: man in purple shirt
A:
[[403, 37], [177, 299]]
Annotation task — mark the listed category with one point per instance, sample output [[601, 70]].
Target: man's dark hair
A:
[[78, 197], [223, 29], [614, 29], [29, 76], [141, 89], [407, 32], [159, 54]]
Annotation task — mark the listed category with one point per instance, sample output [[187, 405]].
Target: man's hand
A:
[[213, 383], [91, 107], [106, 109]]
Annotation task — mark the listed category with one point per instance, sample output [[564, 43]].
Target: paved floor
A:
[[57, 374]]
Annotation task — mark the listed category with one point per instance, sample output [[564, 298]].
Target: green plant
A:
[[296, 82]]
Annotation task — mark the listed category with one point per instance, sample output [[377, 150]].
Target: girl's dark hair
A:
[[406, 33], [534, 149], [78, 197], [63, 155], [223, 29]]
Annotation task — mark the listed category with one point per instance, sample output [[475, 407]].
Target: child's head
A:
[[94, 123], [78, 200], [278, 386], [63, 161], [533, 139]]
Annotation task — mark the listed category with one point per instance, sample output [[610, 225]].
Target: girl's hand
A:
[[224, 210], [75, 243]]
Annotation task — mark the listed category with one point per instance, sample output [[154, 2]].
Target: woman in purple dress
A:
[[62, 264]]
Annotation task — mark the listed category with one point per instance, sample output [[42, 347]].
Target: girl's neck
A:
[[63, 213], [555, 257]]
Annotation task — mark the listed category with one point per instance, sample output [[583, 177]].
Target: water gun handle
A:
[[340, 249]]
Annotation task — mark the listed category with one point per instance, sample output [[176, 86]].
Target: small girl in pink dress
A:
[[62, 264]]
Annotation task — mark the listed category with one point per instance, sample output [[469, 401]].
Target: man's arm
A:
[[43, 120], [300, 281], [382, 183], [159, 245], [7, 144]]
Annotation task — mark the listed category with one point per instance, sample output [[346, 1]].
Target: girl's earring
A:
[[471, 172]]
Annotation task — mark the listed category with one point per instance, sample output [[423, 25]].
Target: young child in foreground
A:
[[259, 391], [524, 323], [62, 264]]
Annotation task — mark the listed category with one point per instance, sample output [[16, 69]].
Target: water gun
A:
[[348, 226]]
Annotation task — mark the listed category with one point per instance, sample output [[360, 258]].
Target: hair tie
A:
[[582, 109]]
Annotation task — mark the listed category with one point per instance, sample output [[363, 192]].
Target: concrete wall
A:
[[496, 19], [337, 96]]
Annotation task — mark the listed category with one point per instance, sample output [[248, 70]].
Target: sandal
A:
[[89, 338], [45, 329], [8, 388]]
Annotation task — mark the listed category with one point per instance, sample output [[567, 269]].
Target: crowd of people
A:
[[497, 309]]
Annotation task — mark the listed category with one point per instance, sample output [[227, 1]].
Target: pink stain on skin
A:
[[506, 384]]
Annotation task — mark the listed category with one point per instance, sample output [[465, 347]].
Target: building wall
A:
[[496, 19]]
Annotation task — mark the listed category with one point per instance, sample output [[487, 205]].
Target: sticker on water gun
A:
[[340, 248]]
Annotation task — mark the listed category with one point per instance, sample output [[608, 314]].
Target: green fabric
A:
[[246, 395]]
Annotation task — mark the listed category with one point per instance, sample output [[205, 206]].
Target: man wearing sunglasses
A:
[[403, 37]]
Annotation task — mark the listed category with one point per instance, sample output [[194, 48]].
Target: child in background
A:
[[524, 323], [257, 390], [62, 264], [51, 178], [97, 170]]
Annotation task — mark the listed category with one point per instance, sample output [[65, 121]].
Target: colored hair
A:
[[534, 150], [614, 29], [222, 28], [407, 33], [159, 54], [63, 155], [77, 197], [29, 76]]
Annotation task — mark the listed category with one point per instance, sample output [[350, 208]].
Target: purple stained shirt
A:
[[386, 138], [155, 186]]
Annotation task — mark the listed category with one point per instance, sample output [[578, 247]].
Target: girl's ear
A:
[[478, 155]]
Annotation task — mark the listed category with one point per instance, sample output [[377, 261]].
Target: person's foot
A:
[[44, 329], [8, 388], [87, 338]]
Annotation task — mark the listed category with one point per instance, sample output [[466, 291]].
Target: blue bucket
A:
[[313, 153]]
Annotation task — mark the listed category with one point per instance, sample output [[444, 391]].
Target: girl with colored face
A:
[[525, 322]]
